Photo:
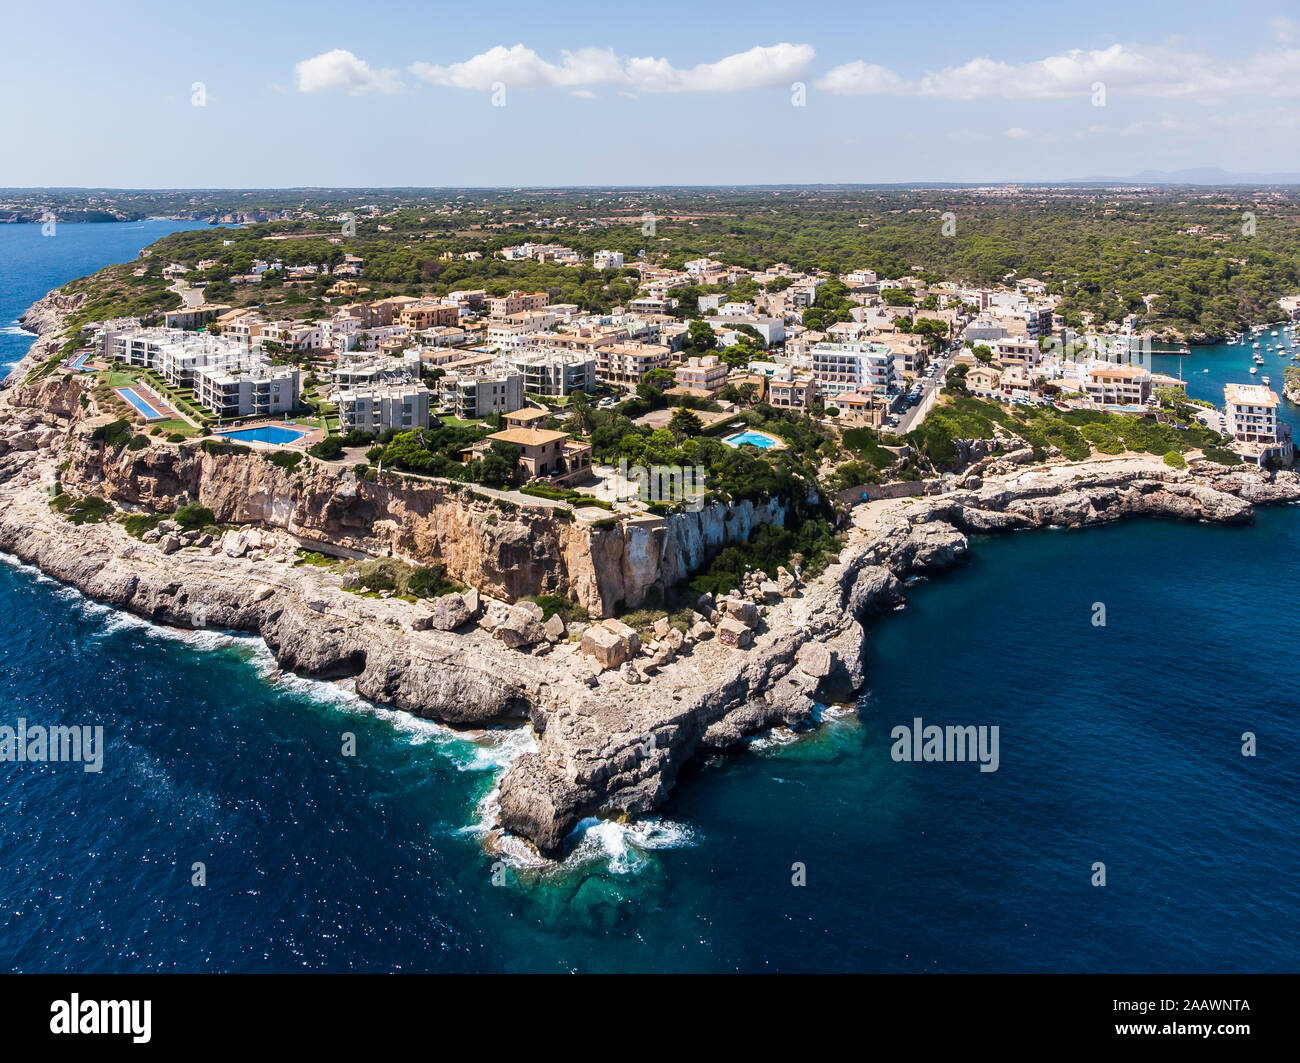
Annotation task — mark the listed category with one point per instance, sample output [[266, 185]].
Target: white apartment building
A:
[[257, 391], [508, 335], [984, 328], [374, 409], [175, 354], [841, 367], [354, 372], [1016, 350], [1251, 412], [608, 260], [553, 373], [479, 392], [772, 329]]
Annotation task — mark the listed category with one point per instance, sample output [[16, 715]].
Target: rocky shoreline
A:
[[611, 741]]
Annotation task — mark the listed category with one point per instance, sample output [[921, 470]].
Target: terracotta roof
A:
[[529, 437]]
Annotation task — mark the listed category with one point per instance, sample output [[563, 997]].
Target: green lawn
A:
[[176, 425], [452, 421]]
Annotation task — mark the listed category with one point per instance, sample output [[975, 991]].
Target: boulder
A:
[[745, 613], [608, 648], [631, 674], [494, 613], [626, 633], [532, 609], [554, 628], [471, 600], [732, 632], [520, 627], [662, 627], [770, 591], [786, 581], [235, 543], [815, 659], [169, 544], [449, 612], [701, 631]]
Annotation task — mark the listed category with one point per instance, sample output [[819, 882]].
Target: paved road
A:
[[930, 388]]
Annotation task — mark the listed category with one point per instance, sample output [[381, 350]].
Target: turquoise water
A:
[[1119, 744], [1207, 369], [267, 434], [753, 439]]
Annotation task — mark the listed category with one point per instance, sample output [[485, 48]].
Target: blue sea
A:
[[1119, 745]]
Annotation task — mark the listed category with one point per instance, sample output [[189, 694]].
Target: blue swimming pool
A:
[[141, 404], [267, 433], [751, 438]]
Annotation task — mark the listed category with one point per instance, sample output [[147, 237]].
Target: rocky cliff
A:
[[507, 551], [612, 740]]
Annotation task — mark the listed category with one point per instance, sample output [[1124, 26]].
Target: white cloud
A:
[[863, 79], [520, 67], [762, 67], [1160, 71], [1016, 133], [341, 71]]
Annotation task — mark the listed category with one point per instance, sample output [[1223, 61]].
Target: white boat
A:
[[1254, 369]]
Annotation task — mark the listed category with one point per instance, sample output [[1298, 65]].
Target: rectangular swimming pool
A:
[[142, 404], [267, 433]]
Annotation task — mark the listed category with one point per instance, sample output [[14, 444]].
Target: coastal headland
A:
[[616, 719]]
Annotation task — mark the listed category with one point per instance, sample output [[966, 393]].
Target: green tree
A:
[[685, 422]]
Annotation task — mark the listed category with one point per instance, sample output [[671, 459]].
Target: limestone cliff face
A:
[[503, 551], [639, 560]]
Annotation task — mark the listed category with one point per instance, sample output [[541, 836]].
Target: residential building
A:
[[429, 314], [1251, 411], [866, 407], [516, 302], [628, 363], [376, 408], [1115, 384], [983, 381], [260, 390], [479, 392], [704, 375], [841, 367], [548, 455], [367, 371], [554, 373], [790, 392]]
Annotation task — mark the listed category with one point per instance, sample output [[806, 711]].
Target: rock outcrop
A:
[[616, 720]]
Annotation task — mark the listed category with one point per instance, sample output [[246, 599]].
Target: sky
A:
[[235, 94]]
